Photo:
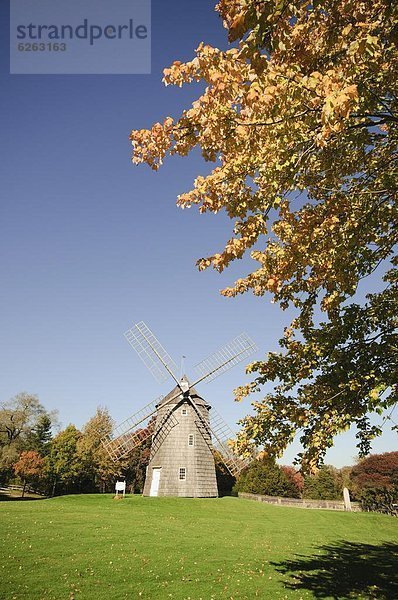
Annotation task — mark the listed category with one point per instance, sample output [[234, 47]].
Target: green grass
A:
[[92, 547]]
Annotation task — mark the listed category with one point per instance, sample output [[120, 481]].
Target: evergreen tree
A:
[[40, 437], [265, 477], [324, 485]]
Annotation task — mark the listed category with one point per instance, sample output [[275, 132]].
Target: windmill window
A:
[[184, 412], [182, 474], [191, 439]]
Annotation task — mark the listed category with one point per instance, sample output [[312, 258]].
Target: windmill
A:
[[183, 437]]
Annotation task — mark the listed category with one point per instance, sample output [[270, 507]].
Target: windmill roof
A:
[[175, 392]]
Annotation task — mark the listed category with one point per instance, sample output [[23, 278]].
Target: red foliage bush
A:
[[376, 471], [295, 477], [30, 464]]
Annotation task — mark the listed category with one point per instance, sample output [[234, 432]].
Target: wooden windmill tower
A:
[[184, 436]]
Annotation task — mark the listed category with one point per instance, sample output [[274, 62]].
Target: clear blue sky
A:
[[91, 244]]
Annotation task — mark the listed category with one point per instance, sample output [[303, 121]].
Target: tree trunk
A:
[[23, 489]]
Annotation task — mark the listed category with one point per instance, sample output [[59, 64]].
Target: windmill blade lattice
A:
[[151, 352], [227, 357], [126, 437], [121, 446], [221, 433], [162, 430]]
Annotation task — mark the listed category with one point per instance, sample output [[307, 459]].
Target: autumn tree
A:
[[300, 116], [30, 467], [20, 420], [376, 470], [134, 465], [65, 465], [19, 416], [295, 477], [374, 481], [99, 470]]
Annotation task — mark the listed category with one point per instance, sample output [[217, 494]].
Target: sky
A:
[[90, 244]]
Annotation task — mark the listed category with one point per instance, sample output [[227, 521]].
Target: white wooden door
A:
[[155, 481]]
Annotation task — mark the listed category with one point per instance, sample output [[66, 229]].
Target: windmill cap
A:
[[175, 392]]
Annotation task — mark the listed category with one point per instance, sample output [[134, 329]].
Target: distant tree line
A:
[[67, 462], [74, 461], [373, 481]]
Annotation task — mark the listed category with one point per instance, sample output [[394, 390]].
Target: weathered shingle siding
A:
[[171, 451]]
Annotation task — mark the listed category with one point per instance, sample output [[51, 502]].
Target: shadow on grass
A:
[[346, 570], [7, 497]]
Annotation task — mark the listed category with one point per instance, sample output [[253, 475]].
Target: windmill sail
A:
[[163, 429], [217, 436], [222, 434], [225, 358], [121, 446], [131, 433], [151, 352]]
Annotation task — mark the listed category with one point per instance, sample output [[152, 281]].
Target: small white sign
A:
[[120, 486]]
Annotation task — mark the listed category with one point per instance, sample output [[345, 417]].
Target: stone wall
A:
[[301, 502]]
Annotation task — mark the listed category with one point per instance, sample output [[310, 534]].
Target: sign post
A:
[[120, 487]]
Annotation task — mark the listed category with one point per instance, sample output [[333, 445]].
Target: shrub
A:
[[296, 479], [322, 486], [383, 500], [375, 482], [265, 477], [376, 471], [225, 481]]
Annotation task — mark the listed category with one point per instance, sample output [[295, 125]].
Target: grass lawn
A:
[[92, 547]]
